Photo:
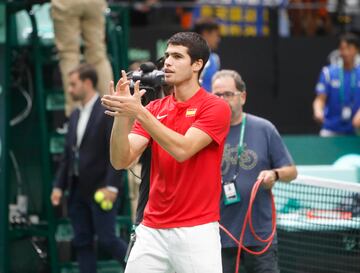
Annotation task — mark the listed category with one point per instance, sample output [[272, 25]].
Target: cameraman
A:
[[186, 132]]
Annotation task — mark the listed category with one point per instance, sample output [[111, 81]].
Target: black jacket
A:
[[95, 170]]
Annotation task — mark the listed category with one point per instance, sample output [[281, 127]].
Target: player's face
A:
[[347, 51], [76, 87], [225, 88], [177, 66]]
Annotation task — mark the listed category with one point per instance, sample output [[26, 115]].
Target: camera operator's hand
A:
[[121, 103]]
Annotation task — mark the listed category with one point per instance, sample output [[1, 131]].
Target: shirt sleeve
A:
[[323, 82], [214, 119], [279, 154]]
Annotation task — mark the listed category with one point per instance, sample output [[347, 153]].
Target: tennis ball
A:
[[106, 205], [99, 196]]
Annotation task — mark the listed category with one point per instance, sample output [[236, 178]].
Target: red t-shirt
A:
[[188, 193]]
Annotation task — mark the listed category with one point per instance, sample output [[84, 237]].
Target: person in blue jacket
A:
[[337, 100], [209, 29]]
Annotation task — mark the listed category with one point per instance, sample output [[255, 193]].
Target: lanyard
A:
[[240, 146], [342, 86]]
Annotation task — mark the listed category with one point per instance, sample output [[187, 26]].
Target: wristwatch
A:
[[277, 177]]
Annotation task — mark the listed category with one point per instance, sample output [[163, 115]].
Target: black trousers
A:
[[265, 263], [89, 220]]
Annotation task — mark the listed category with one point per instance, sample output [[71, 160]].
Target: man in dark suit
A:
[[86, 168]]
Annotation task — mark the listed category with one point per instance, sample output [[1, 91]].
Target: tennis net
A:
[[318, 224]]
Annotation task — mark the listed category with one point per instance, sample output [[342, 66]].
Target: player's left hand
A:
[[268, 178], [125, 106]]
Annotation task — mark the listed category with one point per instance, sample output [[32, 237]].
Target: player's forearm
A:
[[287, 173], [175, 144], [120, 150]]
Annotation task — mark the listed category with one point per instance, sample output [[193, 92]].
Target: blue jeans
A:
[[88, 220], [265, 263]]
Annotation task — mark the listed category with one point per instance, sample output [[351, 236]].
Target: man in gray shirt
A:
[[253, 150]]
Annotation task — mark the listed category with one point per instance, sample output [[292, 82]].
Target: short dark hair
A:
[[86, 71], [196, 45], [239, 82], [351, 39], [205, 24]]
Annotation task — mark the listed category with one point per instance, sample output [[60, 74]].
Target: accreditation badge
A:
[[231, 195], [346, 113]]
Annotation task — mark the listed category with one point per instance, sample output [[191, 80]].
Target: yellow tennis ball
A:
[[106, 205], [99, 196]]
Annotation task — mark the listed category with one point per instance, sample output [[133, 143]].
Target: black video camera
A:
[[151, 79], [148, 75]]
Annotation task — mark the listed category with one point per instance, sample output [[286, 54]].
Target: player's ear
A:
[[197, 65]]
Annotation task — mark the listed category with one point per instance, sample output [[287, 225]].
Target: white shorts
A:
[[182, 250]]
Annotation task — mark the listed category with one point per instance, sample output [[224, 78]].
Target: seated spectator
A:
[[309, 18]]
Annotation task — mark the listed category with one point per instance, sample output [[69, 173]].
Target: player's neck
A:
[[186, 90]]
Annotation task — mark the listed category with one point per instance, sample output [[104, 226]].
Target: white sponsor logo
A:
[[161, 117]]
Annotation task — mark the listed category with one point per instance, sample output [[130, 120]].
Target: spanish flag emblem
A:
[[190, 112]]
